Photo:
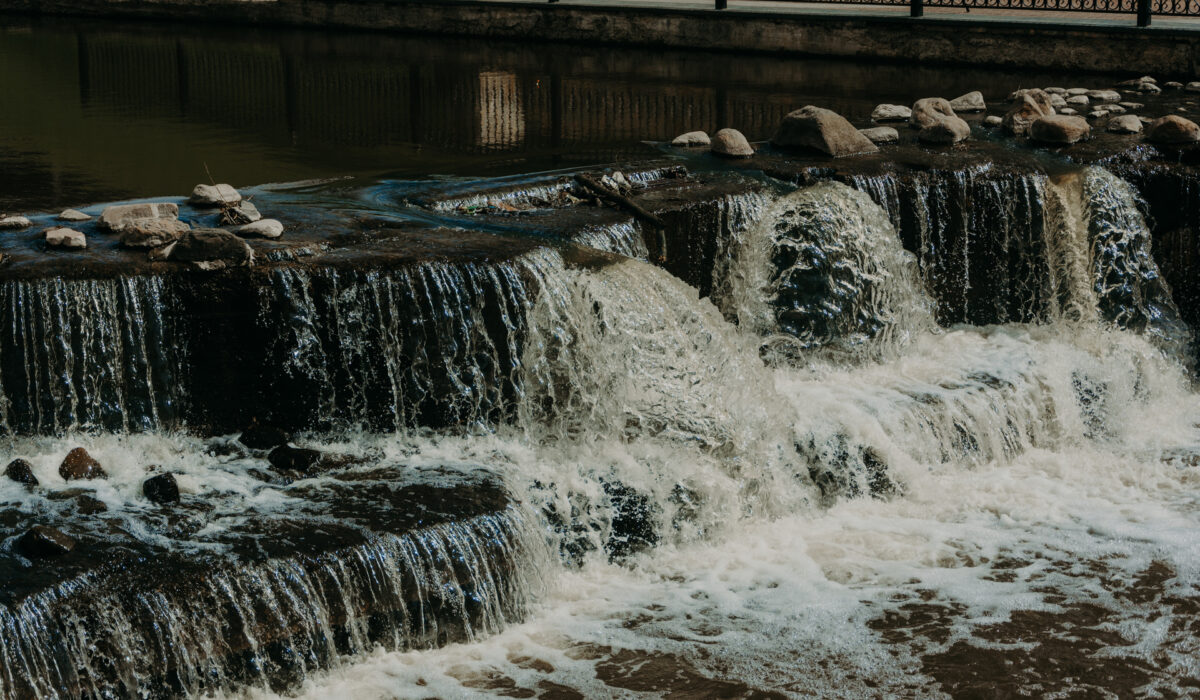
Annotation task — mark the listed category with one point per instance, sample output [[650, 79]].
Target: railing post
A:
[[1143, 8], [722, 4], [916, 8]]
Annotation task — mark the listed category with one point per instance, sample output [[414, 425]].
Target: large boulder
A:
[[821, 130], [214, 196], [1173, 129], [1125, 124], [63, 237], [21, 471], [41, 542], [930, 110], [891, 113], [692, 139], [152, 233], [1060, 129], [1025, 112], [79, 465], [209, 249], [970, 102], [731, 143], [117, 217], [945, 131]]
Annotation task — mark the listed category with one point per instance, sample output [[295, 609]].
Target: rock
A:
[[41, 542], [244, 213], [89, 505], [1026, 112], [929, 111], [73, 215], [948, 130], [1125, 124], [1068, 111], [14, 222], [1097, 113], [1079, 100], [1149, 89], [264, 437], [1059, 129], [1058, 101], [992, 121], [1173, 129], [116, 218], [891, 113], [1104, 95], [286, 458], [21, 471], [731, 143], [970, 102], [881, 134], [214, 196], [692, 139], [1131, 105], [161, 489], [152, 233], [1114, 109], [263, 228], [1054, 91], [62, 237], [78, 464], [1193, 86], [209, 249], [1075, 92], [1172, 85], [821, 130]]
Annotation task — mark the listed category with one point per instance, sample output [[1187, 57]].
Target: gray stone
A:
[[970, 102], [1054, 91], [1079, 100], [1131, 105], [63, 237], [1104, 95], [881, 134], [14, 222], [929, 111], [265, 228], [993, 121], [1060, 129], [731, 143], [1058, 101], [891, 113], [1068, 111], [214, 196], [1172, 85], [1097, 114], [116, 218], [210, 249], [1173, 129], [1075, 92], [152, 233], [692, 139], [1125, 124], [821, 130], [1041, 98], [1114, 109], [945, 131], [74, 216]]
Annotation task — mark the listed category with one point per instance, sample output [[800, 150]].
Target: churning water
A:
[[808, 488]]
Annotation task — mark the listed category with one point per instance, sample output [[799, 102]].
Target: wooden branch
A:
[[617, 199]]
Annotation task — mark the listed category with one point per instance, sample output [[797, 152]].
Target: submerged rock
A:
[[1060, 129], [41, 542], [73, 215], [821, 130], [891, 113], [78, 464], [731, 143], [692, 139], [86, 504], [881, 134], [264, 437], [263, 228], [1173, 129], [1125, 124], [14, 222], [214, 196], [62, 237], [209, 249], [970, 102], [21, 471], [152, 233], [161, 489], [117, 217]]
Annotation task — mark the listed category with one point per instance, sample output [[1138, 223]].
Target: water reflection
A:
[[103, 111]]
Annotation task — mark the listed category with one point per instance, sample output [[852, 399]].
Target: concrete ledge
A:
[[1055, 45]]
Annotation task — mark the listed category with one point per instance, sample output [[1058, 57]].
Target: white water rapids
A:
[[813, 491]]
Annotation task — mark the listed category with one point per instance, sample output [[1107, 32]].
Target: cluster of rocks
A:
[[42, 541], [1052, 116], [156, 227]]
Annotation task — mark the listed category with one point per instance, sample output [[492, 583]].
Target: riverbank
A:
[[1169, 48]]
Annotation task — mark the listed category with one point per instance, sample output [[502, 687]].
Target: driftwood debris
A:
[[619, 200]]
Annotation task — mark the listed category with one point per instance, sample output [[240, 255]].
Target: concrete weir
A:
[[1168, 48]]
